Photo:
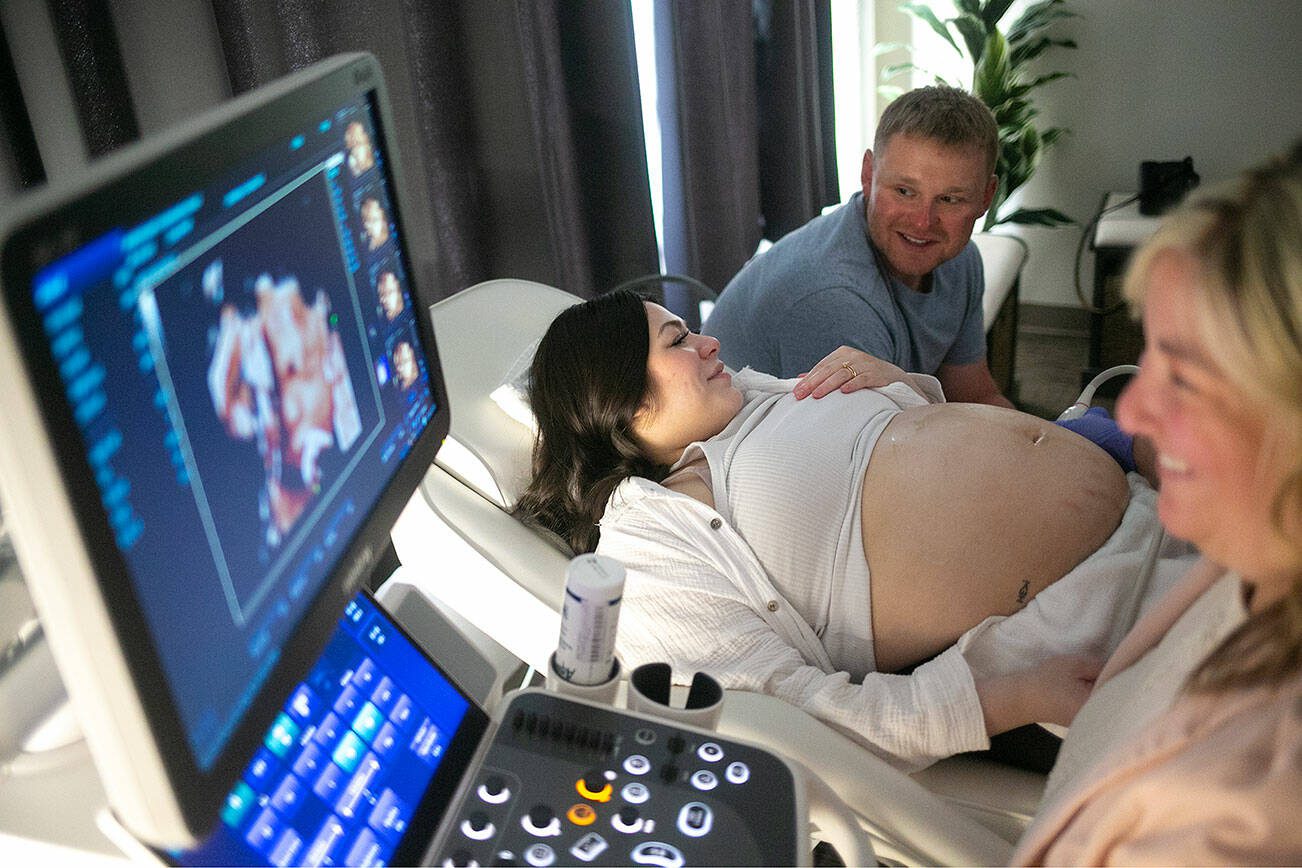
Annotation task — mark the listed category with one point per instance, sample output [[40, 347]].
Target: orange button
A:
[[601, 795], [582, 815]]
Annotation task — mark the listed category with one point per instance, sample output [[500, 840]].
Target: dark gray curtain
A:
[[797, 145], [20, 160], [746, 113], [709, 125], [516, 121], [89, 51]]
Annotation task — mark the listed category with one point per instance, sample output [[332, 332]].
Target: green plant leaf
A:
[[974, 35], [993, 11], [1051, 135], [998, 59], [1025, 52], [1011, 114], [925, 13], [1045, 79], [1014, 114], [1018, 174], [1030, 145], [1037, 17], [992, 76], [894, 69], [1036, 217], [888, 92], [887, 47], [1016, 91]]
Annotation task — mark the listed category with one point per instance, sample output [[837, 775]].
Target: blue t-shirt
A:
[[819, 287]]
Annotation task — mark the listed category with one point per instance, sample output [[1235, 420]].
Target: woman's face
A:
[[691, 396], [1220, 456]]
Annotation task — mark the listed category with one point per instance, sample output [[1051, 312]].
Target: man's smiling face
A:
[[922, 200]]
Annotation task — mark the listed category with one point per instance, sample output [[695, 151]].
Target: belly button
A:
[[1038, 437]]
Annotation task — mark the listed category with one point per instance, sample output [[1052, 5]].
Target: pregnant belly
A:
[[970, 511]]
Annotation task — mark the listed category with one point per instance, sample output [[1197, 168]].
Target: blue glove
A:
[[1099, 428]]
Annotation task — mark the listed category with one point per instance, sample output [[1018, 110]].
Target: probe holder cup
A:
[[603, 693], [650, 688]]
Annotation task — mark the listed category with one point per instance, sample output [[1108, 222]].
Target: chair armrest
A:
[[1002, 258]]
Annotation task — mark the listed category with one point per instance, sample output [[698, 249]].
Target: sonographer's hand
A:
[[1099, 428], [846, 369]]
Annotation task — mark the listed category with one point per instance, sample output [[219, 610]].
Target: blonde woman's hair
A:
[[1247, 238]]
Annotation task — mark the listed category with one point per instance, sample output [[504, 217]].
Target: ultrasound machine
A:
[[220, 391]]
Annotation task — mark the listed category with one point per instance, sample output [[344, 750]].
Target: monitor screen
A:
[[240, 392]]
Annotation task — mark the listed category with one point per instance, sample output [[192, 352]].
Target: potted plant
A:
[[1001, 79]]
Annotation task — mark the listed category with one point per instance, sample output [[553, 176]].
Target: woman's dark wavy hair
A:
[[587, 381]]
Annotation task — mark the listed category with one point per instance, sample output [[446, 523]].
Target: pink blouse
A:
[[1215, 779]]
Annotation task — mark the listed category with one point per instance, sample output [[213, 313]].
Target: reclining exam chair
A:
[[964, 810]]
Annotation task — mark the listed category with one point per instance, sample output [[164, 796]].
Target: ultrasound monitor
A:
[[220, 392]]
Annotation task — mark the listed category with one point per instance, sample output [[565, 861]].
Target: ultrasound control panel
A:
[[568, 783]]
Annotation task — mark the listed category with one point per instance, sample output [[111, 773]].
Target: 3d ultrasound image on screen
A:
[[264, 348]]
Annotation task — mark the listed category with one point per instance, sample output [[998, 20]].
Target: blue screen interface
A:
[[343, 768], [245, 369]]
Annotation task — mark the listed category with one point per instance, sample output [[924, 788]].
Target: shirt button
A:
[[773, 605], [716, 523]]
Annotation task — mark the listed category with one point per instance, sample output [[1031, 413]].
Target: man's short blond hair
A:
[[948, 115]]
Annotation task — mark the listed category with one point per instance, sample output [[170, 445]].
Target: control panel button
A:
[[581, 814], [645, 735], [704, 780], [539, 855], [589, 847], [494, 790], [710, 752], [737, 773], [636, 764], [459, 858], [695, 819], [594, 786], [477, 827], [658, 854], [635, 792], [541, 821], [628, 820]]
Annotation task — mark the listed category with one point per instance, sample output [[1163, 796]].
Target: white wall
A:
[[1218, 80]]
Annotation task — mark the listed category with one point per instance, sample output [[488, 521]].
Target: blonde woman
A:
[[1189, 751]]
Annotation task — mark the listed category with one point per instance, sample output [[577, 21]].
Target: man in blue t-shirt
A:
[[893, 271]]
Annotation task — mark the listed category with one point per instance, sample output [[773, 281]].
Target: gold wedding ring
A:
[[849, 367]]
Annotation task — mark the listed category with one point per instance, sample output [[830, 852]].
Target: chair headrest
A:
[[485, 336]]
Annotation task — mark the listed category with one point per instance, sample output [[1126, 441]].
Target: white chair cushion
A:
[[1002, 257]]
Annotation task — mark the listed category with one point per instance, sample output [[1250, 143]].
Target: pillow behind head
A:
[[512, 396]]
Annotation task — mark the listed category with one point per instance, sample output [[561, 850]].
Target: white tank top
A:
[[787, 475]]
